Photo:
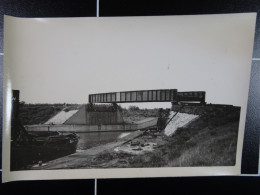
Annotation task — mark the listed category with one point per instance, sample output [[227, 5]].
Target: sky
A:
[[57, 60]]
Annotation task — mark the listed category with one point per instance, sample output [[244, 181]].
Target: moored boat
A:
[[28, 148]]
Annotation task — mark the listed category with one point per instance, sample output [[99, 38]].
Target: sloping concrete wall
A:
[[61, 117], [79, 118], [149, 122], [180, 120]]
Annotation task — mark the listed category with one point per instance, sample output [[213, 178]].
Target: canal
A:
[[92, 139]]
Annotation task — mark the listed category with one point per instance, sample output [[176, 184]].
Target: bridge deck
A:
[[159, 95]]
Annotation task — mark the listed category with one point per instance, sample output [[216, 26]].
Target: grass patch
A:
[[210, 140], [133, 115], [209, 147]]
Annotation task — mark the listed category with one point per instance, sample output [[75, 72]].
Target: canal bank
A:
[[79, 159], [210, 140]]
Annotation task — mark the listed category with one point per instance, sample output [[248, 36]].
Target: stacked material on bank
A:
[[180, 120], [61, 117]]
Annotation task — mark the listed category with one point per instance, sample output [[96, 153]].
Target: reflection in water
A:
[[92, 139], [123, 135]]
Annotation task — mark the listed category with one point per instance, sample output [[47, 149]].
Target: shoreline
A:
[[77, 159]]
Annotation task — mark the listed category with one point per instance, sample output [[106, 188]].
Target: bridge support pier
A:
[[115, 106], [92, 114]]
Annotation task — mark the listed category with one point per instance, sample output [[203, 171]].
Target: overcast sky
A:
[[64, 60]]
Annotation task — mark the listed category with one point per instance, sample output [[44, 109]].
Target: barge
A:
[[28, 148]]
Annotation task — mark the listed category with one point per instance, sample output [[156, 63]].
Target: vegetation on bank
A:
[[211, 140], [193, 147], [134, 113], [31, 114]]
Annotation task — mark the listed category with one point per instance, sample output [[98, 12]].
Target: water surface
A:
[[92, 139]]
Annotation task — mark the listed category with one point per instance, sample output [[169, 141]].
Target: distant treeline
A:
[[134, 113], [31, 114]]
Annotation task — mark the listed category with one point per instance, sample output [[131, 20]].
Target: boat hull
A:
[[41, 147]]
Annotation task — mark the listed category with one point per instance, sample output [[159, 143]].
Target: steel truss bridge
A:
[[159, 95]]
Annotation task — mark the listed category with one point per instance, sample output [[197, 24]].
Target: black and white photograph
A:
[[115, 97]]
